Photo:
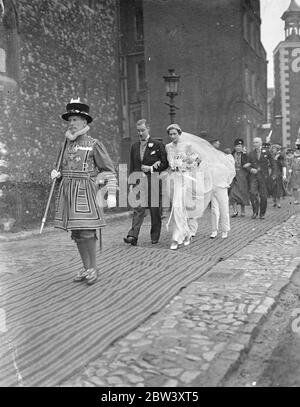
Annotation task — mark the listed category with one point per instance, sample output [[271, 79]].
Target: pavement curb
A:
[[9, 236]]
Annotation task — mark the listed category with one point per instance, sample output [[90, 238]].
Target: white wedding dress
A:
[[190, 192]]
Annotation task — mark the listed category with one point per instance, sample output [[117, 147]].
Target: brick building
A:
[[214, 46], [286, 120], [114, 54]]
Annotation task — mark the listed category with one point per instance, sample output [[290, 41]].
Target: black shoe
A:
[[254, 216], [130, 239], [92, 276], [261, 216], [234, 215], [154, 241]]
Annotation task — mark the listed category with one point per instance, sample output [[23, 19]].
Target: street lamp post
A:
[[278, 119], [277, 124], [172, 81]]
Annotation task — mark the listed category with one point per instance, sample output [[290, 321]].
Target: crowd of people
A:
[[234, 179], [268, 171], [191, 172]]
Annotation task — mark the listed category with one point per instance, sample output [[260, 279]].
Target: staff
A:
[[53, 185]]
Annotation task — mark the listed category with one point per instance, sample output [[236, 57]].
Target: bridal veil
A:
[[215, 170]]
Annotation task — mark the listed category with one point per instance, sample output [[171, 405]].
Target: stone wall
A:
[[65, 49]]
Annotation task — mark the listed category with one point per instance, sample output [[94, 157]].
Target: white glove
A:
[[55, 174], [111, 201]]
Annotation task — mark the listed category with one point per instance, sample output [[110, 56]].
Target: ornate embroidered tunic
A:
[[76, 205]]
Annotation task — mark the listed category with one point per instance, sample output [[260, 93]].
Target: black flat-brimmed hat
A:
[[238, 142], [77, 108]]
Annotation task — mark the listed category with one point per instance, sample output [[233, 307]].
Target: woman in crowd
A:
[[277, 189], [239, 189]]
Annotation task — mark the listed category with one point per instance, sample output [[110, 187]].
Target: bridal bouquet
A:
[[185, 162]]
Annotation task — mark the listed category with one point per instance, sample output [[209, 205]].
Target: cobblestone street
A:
[[199, 308]]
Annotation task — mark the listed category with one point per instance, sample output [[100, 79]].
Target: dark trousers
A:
[[138, 219], [258, 194]]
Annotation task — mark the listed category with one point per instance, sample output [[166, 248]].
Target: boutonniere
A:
[[153, 152], [150, 145], [263, 151]]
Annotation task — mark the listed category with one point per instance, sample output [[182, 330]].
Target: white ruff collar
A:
[[73, 136]]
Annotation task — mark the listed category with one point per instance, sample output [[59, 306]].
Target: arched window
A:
[[245, 26], [2, 60]]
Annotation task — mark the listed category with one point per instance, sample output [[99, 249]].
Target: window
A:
[[2, 60], [247, 83], [257, 43], [252, 34], [245, 26], [139, 24], [9, 57], [253, 87], [140, 76], [124, 97]]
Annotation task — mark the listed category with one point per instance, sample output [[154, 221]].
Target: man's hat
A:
[[266, 144], [278, 146], [77, 108], [238, 142]]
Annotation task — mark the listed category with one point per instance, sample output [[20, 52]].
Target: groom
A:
[[146, 156]]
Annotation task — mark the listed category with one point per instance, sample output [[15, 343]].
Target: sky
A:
[[272, 29]]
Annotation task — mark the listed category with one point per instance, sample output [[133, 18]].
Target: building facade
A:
[[286, 117], [216, 49]]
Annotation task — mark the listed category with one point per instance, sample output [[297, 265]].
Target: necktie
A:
[[142, 149]]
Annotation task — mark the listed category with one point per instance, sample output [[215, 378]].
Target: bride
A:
[[190, 186]]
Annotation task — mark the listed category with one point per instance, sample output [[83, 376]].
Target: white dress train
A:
[[191, 192], [186, 191]]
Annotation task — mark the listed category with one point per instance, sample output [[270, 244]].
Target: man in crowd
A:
[[147, 156], [260, 160]]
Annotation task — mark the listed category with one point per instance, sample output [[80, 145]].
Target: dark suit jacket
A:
[[244, 158], [262, 165], [155, 151]]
